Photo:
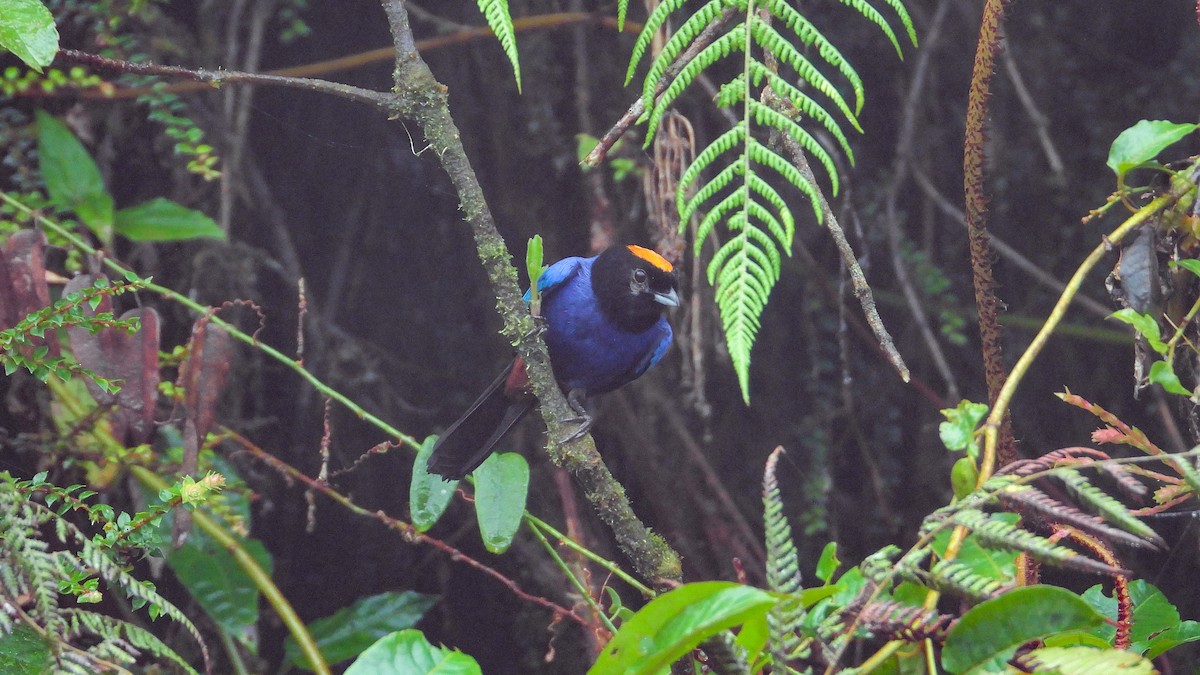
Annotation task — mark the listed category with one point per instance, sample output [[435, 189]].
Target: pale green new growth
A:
[[741, 194]]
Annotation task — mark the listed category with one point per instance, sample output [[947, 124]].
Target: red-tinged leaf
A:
[[204, 372], [22, 277], [1108, 435], [114, 354]]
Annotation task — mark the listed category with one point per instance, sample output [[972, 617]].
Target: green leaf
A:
[[1142, 142], [164, 220], [534, 266], [963, 476], [216, 581], [958, 431], [407, 652], [428, 494], [27, 30], [1190, 264], [1145, 325], [993, 630], [24, 652], [1162, 374], [1088, 661], [501, 484], [500, 21], [72, 177], [1156, 624], [828, 562], [351, 630], [672, 624], [991, 563]]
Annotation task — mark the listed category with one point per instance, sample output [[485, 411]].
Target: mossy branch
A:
[[419, 97]]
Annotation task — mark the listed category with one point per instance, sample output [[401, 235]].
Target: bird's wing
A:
[[558, 274]]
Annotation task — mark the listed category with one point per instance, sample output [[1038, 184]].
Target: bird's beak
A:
[[670, 298]]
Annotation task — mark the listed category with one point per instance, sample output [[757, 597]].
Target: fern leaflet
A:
[[500, 21]]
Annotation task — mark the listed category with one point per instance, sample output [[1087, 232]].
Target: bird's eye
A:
[[639, 276]]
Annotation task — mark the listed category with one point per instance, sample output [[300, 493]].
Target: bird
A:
[[605, 325]]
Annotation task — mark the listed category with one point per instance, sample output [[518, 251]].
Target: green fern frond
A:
[[1108, 507], [501, 23], [1033, 499], [719, 182], [719, 49], [957, 578], [766, 37], [757, 215], [785, 619], [768, 157], [876, 18], [810, 36], [769, 117], [680, 39], [995, 533], [622, 10], [112, 629], [802, 102]]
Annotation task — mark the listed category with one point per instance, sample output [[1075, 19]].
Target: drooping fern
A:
[[786, 618], [745, 194], [500, 21]]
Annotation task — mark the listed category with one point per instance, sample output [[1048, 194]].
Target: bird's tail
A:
[[469, 441]]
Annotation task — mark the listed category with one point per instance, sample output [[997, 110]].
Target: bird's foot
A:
[[583, 418], [539, 328]]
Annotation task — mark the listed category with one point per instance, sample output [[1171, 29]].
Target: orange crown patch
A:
[[651, 257]]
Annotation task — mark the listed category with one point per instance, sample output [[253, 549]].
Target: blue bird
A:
[[605, 327]]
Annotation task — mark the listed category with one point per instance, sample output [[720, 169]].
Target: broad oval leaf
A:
[[1162, 374], [219, 584], [993, 630], [407, 652], [501, 484], [1156, 624], [672, 624], [24, 652], [72, 177], [1088, 661], [428, 494], [1142, 142], [27, 30], [164, 220], [351, 630]]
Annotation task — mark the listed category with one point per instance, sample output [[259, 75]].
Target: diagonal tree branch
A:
[[422, 99]]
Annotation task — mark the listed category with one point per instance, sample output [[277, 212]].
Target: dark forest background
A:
[[400, 317]]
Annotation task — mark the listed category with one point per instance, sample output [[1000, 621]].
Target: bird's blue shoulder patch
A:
[[663, 345], [559, 273]]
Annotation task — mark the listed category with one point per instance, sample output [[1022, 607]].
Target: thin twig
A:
[[706, 36]]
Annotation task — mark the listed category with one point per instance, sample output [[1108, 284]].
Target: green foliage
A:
[[786, 618], [15, 81], [673, 624], [27, 30], [991, 632], [501, 485], [1141, 143], [501, 23], [34, 576], [21, 346], [958, 431], [407, 652], [75, 184], [351, 630], [72, 178], [164, 220], [534, 267], [428, 494], [745, 195], [1156, 622], [1086, 661]]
